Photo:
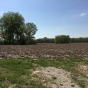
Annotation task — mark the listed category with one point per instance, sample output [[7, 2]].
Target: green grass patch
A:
[[17, 72]]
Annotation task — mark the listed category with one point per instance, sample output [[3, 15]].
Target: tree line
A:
[[14, 30], [62, 39], [45, 40]]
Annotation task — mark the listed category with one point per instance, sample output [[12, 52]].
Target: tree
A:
[[13, 30], [62, 39], [30, 30], [12, 26], [45, 40]]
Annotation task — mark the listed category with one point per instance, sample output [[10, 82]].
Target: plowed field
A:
[[44, 50]]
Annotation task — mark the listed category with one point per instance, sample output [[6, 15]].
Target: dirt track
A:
[[44, 50]]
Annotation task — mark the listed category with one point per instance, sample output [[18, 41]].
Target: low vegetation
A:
[[71, 40], [17, 73], [62, 39]]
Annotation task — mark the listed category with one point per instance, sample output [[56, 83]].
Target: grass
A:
[[18, 72]]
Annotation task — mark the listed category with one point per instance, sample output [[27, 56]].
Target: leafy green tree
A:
[[45, 39], [30, 30], [79, 40], [62, 39], [12, 26], [13, 30]]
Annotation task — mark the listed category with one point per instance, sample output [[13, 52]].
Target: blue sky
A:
[[52, 17]]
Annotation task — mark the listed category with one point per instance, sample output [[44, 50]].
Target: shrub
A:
[[1, 42], [31, 41], [62, 39]]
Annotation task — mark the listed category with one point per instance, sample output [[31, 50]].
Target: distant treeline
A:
[[79, 40], [45, 40], [62, 39]]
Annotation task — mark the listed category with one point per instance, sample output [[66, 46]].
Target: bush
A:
[[31, 41], [1, 42], [45, 40], [62, 39]]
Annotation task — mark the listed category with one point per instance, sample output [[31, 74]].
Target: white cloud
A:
[[82, 14]]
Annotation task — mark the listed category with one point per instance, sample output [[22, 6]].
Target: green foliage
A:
[[31, 28], [45, 40], [62, 39], [72, 40], [79, 40], [1, 42], [30, 41], [13, 30], [12, 26]]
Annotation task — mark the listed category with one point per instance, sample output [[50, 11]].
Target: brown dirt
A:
[[44, 50]]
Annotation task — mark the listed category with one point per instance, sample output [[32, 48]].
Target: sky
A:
[[52, 17]]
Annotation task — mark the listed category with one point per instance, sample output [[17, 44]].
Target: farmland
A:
[[44, 50], [44, 66]]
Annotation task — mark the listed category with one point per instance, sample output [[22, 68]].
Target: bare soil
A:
[[55, 78], [44, 50]]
